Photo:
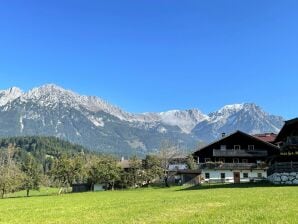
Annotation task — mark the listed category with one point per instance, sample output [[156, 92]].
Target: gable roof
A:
[[234, 133], [286, 128]]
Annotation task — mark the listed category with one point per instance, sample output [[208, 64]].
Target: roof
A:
[[234, 133], [288, 126], [266, 137], [189, 172]]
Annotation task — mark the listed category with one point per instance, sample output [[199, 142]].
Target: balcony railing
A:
[[231, 166], [239, 153]]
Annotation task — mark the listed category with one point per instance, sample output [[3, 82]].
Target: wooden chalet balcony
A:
[[231, 166], [239, 153]]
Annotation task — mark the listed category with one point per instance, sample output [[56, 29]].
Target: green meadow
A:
[[204, 204]]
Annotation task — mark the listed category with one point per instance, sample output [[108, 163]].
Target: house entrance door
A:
[[236, 177]]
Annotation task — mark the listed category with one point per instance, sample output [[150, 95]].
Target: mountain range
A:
[[50, 110]]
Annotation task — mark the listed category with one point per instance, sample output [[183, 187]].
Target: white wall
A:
[[215, 174]]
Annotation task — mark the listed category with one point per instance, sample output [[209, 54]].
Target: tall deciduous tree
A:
[[136, 173], [167, 153], [32, 171], [11, 177], [104, 170], [191, 163], [153, 168], [67, 169]]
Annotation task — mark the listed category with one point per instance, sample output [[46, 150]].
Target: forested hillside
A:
[[42, 145], [41, 148]]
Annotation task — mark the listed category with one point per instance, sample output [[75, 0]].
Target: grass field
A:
[[215, 204]]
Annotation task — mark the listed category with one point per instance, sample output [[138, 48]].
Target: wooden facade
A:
[[287, 139], [238, 146]]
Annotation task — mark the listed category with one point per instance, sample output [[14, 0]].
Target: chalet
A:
[[238, 157], [284, 168]]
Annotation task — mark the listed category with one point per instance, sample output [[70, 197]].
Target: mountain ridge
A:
[[91, 121]]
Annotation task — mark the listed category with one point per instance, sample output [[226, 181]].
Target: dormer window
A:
[[237, 147], [251, 147]]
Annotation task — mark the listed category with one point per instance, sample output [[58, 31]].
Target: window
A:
[[207, 175], [223, 147], [237, 147], [244, 160], [260, 175], [251, 147], [222, 175], [235, 160], [245, 175], [207, 160]]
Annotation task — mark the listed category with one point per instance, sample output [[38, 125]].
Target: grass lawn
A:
[[215, 204]]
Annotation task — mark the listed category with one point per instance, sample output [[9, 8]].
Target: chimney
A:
[[223, 134]]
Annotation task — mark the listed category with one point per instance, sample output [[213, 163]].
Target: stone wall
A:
[[284, 178]]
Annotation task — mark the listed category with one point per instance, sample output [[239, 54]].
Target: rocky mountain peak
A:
[[9, 95], [185, 119]]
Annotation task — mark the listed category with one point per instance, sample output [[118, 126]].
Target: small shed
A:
[[192, 177], [76, 188]]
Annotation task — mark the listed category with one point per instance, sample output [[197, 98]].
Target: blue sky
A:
[[156, 55]]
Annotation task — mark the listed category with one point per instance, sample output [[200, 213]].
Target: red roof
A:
[[266, 137]]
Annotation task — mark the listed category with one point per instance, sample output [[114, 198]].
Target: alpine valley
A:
[[50, 110]]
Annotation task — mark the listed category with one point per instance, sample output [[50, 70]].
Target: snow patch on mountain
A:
[[97, 121], [21, 124]]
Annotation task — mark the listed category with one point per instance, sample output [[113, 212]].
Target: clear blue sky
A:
[[156, 55]]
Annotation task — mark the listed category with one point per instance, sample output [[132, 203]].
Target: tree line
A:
[[28, 169]]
